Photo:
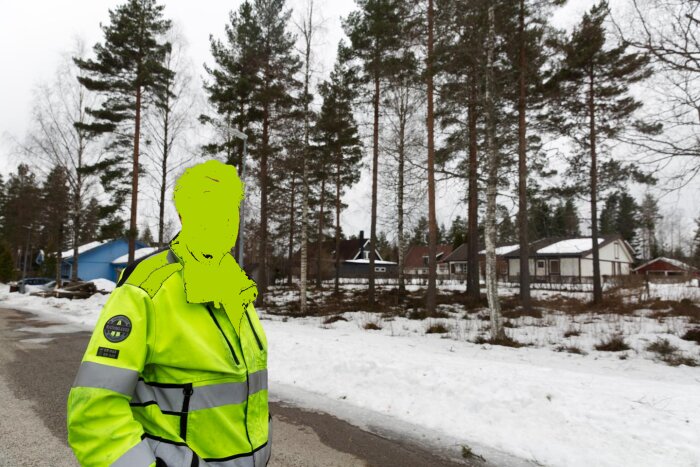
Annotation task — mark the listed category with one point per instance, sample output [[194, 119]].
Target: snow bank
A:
[[554, 409]]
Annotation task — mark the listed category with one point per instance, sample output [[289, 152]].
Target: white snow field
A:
[[528, 405]]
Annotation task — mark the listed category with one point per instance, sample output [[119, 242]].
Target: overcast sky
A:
[[33, 35]]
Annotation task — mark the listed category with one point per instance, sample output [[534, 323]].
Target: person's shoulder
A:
[[150, 272]]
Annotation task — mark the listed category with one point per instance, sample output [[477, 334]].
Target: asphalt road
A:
[[36, 373]]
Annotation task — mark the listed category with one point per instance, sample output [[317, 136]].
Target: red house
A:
[[666, 267]]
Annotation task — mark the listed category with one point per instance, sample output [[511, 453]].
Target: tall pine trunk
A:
[[375, 167], [338, 163], [473, 213], [491, 187], [262, 277], [432, 222], [522, 168], [135, 177], [319, 253], [597, 287], [164, 173], [290, 252], [77, 206], [400, 202]]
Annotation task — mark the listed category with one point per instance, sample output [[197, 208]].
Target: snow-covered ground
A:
[[532, 403]]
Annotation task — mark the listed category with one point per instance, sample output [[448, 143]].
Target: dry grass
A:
[[505, 341], [692, 335], [372, 326], [437, 328], [333, 319], [570, 349], [615, 343]]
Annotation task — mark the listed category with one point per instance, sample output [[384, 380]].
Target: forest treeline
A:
[[526, 122]]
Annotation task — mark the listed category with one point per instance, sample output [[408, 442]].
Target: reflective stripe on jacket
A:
[[164, 378]]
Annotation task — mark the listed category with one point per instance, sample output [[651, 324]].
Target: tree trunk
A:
[[400, 198], [473, 213], [290, 252], [491, 189], [135, 177], [262, 260], [522, 169], [430, 302], [164, 175], [375, 168], [319, 252], [339, 161], [78, 210], [59, 258], [597, 287]]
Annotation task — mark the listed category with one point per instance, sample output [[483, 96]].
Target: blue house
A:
[[95, 259]]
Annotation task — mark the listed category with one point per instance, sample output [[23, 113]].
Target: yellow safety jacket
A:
[[168, 382]]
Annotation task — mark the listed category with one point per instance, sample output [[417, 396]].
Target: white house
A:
[[571, 259]]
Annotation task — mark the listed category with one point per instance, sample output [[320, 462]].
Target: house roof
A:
[[461, 253], [349, 249], [673, 262], [138, 254], [83, 248], [580, 246], [416, 253], [502, 250]]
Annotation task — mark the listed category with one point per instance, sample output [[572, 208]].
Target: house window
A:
[[540, 264], [379, 269], [554, 267], [617, 250]]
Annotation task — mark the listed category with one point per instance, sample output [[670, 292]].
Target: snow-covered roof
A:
[[571, 246], [674, 262], [502, 250], [138, 254], [366, 261], [83, 248]]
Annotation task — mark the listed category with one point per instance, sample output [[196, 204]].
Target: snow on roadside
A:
[[554, 409]]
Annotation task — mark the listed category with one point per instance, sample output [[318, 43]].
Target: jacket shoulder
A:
[[150, 272]]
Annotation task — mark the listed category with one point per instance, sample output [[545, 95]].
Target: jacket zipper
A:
[[253, 329], [187, 391], [230, 347]]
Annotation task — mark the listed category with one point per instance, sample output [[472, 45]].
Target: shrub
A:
[[614, 343], [333, 319], [505, 341], [437, 328], [422, 313], [570, 349], [572, 333], [662, 347], [371, 326], [692, 335]]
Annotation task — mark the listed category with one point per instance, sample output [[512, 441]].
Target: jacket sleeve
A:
[[101, 428]]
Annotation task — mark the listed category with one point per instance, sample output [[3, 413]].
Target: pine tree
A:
[[695, 249], [337, 134], [6, 264], [593, 103], [128, 71], [375, 34], [21, 222], [55, 208], [233, 80], [648, 218], [457, 233], [506, 232], [419, 237]]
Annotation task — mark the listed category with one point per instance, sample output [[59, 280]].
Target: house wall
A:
[[97, 263]]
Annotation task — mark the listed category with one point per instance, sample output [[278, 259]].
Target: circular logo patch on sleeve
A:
[[117, 328]]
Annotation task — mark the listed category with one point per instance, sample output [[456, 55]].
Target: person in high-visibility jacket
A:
[[175, 373]]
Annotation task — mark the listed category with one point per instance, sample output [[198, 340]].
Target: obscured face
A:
[[207, 197]]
